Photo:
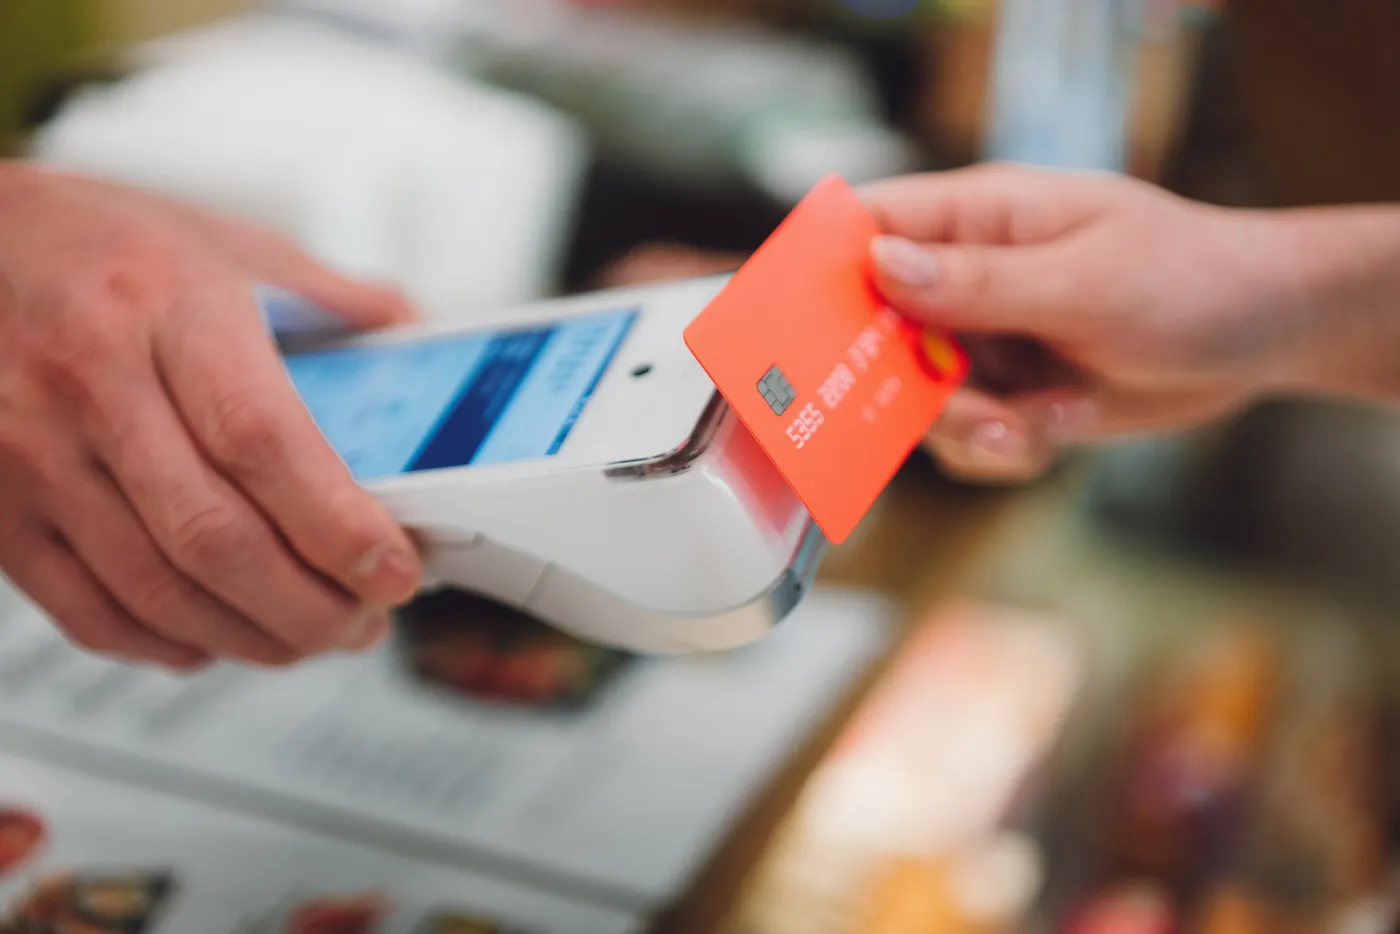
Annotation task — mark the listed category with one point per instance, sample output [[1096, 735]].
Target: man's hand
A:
[[1092, 306], [164, 494]]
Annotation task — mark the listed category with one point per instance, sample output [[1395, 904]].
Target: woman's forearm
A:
[[1349, 260]]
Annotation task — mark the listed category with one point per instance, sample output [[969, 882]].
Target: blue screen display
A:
[[459, 400]]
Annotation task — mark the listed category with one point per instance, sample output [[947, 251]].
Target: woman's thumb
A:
[[968, 288]]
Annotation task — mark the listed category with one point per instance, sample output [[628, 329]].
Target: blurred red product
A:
[[358, 914], [1134, 909], [1194, 754], [22, 835]]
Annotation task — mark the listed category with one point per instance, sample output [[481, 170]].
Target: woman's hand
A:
[[1093, 306]]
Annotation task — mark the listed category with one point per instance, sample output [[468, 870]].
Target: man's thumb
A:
[[360, 305], [274, 262]]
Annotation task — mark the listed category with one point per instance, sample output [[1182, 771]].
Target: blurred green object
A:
[[38, 40]]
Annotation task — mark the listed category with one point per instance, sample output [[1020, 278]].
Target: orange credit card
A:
[[837, 388]]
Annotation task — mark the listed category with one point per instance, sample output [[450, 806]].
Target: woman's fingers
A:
[[986, 438], [980, 438]]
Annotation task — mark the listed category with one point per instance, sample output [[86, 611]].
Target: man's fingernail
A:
[[378, 631], [997, 443], [402, 306], [377, 635], [387, 561], [402, 567], [1067, 420], [367, 631], [905, 260]]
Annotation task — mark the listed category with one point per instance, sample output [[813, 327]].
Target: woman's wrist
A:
[[1347, 262]]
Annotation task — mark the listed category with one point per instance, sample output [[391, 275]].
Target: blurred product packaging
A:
[[379, 164], [697, 103], [1090, 84], [920, 818], [1063, 79]]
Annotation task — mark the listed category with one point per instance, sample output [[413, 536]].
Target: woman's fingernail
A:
[[1068, 420], [905, 260], [996, 442]]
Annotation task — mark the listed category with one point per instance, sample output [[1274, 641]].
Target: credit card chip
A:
[[777, 391]]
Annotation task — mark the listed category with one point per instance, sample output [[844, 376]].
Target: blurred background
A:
[[1211, 742]]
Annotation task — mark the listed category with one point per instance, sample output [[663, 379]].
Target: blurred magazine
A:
[[575, 790]]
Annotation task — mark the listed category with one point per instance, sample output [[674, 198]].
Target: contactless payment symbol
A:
[[941, 355], [776, 390]]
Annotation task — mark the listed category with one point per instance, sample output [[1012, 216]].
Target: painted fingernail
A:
[[1067, 420], [997, 443], [905, 260]]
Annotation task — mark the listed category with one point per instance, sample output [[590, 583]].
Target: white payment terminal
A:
[[572, 459]]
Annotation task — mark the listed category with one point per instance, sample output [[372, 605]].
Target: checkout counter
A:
[[1202, 656]]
